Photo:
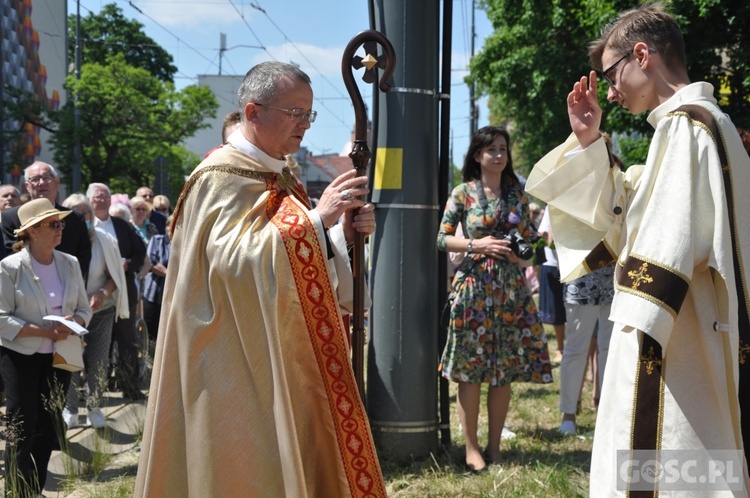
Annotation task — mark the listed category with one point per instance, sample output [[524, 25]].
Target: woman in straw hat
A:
[[36, 281]]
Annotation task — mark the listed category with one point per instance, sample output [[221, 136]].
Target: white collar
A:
[[692, 93], [243, 144]]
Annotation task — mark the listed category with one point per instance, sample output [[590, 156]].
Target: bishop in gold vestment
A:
[[252, 391]]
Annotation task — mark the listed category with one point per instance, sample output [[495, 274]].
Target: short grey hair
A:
[[261, 82], [93, 187], [78, 199], [37, 164], [121, 211]]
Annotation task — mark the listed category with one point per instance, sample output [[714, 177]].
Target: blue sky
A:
[[310, 33]]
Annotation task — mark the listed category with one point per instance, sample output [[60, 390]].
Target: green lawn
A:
[[539, 462]]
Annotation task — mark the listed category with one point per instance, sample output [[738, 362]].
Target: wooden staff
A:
[[360, 155]]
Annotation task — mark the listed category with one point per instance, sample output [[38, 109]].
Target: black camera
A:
[[519, 245]]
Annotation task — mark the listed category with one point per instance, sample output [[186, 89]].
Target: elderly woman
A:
[[36, 281], [107, 301], [141, 210], [162, 205]]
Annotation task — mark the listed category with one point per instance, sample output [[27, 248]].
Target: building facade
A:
[[33, 59]]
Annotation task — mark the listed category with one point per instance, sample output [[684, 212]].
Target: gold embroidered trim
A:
[[640, 276], [647, 427], [653, 281], [221, 168], [600, 256], [328, 340], [650, 361]]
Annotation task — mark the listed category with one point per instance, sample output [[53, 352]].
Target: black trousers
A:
[[151, 314], [34, 413], [123, 333]]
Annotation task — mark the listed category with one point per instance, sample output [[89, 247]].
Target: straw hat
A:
[[35, 211]]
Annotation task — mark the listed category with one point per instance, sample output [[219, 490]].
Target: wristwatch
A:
[[468, 249], [104, 291]]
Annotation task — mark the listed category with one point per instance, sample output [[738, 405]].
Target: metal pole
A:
[[76, 107], [473, 117], [402, 384], [222, 48], [443, 188]]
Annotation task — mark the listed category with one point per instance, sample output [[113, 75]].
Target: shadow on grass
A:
[[535, 393]]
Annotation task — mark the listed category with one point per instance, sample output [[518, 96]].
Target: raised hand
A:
[[584, 111]]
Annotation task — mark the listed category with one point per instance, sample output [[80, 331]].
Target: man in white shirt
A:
[[133, 253]]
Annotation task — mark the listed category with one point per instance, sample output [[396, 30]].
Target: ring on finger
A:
[[346, 195]]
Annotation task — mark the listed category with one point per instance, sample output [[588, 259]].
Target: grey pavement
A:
[[122, 434]]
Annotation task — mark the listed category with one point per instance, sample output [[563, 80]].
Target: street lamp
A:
[[223, 47]]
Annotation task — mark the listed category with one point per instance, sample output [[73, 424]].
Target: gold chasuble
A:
[[252, 391]]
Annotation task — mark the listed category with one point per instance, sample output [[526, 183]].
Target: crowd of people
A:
[[83, 258]]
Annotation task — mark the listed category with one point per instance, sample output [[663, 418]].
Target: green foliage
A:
[[633, 150], [109, 32], [129, 118], [529, 63], [539, 49]]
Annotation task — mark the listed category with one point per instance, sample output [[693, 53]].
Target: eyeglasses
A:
[[36, 180], [605, 73], [295, 114], [55, 225]]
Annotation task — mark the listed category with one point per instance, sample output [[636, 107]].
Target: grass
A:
[[538, 462]]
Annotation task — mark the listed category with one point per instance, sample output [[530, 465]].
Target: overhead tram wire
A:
[[172, 34], [257, 7], [212, 62], [242, 16]]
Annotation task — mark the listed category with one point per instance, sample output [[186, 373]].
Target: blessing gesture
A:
[[584, 111]]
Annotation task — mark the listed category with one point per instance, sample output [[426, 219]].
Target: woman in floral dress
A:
[[494, 334]]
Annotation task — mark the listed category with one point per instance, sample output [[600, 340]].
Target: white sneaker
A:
[[70, 419], [508, 434], [97, 418], [567, 428]]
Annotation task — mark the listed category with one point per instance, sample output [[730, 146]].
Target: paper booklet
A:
[[68, 323]]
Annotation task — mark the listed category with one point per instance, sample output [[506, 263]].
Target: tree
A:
[[109, 32], [129, 118], [538, 50]]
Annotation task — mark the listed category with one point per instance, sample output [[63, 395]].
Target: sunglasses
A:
[[55, 225]]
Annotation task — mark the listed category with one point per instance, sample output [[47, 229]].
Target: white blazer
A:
[[22, 297]]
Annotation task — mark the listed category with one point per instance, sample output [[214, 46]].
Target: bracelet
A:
[[468, 248], [104, 291]]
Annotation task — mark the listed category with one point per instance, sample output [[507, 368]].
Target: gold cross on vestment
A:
[[640, 276], [651, 361]]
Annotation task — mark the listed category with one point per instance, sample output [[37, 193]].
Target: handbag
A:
[[69, 354]]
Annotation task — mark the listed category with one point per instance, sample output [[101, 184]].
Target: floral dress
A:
[[494, 333]]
